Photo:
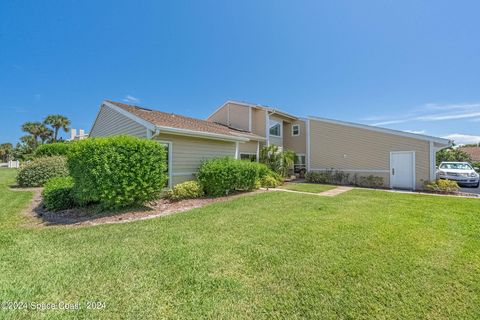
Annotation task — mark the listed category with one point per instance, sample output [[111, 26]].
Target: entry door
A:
[[402, 169]]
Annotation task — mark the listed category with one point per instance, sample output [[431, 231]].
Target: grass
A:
[[308, 187], [363, 254]]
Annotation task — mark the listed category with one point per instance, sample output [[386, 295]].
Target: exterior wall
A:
[[248, 147], [278, 141], [239, 116], [258, 122], [295, 143], [221, 116], [188, 153], [110, 123], [363, 151], [233, 115]]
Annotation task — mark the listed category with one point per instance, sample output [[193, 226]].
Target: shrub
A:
[[52, 149], [316, 177], [370, 181], [442, 186], [343, 178], [222, 176], [185, 190], [58, 194], [269, 181], [36, 172], [117, 171]]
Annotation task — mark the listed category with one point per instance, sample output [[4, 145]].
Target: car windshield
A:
[[458, 166]]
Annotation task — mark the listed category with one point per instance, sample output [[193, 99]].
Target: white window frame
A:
[[298, 128], [170, 160], [273, 123]]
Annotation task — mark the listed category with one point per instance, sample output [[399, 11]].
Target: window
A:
[[295, 130], [299, 164], [248, 156], [275, 128]]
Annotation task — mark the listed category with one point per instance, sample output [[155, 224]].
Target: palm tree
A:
[[57, 122], [45, 134], [6, 150], [34, 128]]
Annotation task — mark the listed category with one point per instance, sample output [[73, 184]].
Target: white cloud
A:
[[431, 112], [129, 98], [416, 131], [462, 138]]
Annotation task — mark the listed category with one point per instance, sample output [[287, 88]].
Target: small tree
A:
[[278, 161], [452, 154]]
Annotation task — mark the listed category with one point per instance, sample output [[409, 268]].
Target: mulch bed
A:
[[93, 216]]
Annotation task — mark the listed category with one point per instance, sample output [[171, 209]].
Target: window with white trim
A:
[[299, 163], [295, 130], [275, 128], [248, 156]]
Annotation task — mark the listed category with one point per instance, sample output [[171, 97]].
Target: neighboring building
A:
[[240, 130], [77, 136], [473, 152]]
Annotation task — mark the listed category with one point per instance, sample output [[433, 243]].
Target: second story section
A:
[[277, 127]]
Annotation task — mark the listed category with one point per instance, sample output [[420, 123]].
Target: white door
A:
[[402, 169]]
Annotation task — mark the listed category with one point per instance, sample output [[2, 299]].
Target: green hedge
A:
[[58, 194], [117, 171], [223, 176], [185, 190], [38, 171], [53, 149]]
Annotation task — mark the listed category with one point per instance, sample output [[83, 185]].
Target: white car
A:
[[461, 172]]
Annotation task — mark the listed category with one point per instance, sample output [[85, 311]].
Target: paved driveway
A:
[[471, 190]]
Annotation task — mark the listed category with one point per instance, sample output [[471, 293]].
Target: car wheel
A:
[[477, 185]]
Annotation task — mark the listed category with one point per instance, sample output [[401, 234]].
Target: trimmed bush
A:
[[342, 178], [223, 176], [117, 171], [370, 181], [269, 181], [58, 194], [442, 186], [185, 190], [38, 171], [52, 149]]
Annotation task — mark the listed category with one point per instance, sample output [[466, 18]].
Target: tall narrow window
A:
[[275, 128], [295, 130]]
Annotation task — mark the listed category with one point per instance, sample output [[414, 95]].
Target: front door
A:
[[402, 170]]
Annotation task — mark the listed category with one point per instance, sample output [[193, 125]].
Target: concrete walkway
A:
[[328, 193]]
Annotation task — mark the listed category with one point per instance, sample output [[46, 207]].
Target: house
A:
[[473, 152], [404, 160], [77, 136]]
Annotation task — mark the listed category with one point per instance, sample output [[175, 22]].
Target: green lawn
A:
[[307, 187], [363, 254]]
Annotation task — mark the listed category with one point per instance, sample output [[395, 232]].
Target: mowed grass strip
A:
[[362, 254], [307, 187]]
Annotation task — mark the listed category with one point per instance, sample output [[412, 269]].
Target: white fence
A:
[[14, 164]]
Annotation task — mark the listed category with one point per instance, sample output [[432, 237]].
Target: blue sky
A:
[[408, 65]]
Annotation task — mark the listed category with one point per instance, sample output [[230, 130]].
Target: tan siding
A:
[[110, 123], [234, 115], [297, 143], [347, 148], [258, 122], [248, 147], [239, 116], [188, 153], [221, 116]]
